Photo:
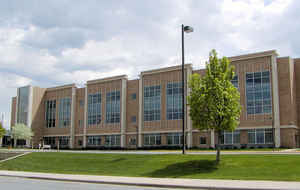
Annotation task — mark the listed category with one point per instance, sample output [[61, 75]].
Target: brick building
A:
[[147, 112]]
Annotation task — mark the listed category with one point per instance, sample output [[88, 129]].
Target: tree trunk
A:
[[218, 147]]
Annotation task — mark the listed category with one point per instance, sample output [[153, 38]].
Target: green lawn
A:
[[227, 150], [247, 167]]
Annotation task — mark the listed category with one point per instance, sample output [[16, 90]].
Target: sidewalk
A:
[[162, 182], [283, 152]]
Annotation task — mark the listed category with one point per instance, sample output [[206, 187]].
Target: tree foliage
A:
[[2, 130], [214, 101], [21, 131]]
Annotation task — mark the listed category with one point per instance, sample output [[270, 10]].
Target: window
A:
[[94, 109], [174, 139], [235, 81], [23, 96], [152, 103], [132, 141], [230, 137], [94, 140], [113, 107], [113, 140], [133, 119], [79, 142], [174, 101], [202, 140], [64, 112], [260, 136], [133, 96], [63, 141], [152, 139], [49, 141], [50, 113], [258, 92]]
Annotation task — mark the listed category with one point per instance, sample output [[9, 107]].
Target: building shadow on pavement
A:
[[185, 168]]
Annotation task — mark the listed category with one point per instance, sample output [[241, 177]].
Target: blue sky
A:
[[49, 43]]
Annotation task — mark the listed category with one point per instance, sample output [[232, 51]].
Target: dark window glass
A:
[[258, 92], [113, 107], [174, 101], [152, 103]]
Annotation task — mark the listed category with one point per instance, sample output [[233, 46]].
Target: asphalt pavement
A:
[[15, 183]]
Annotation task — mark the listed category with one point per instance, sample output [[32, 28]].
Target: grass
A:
[[228, 150], [245, 167]]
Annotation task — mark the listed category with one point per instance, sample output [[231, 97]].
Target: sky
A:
[[56, 42]]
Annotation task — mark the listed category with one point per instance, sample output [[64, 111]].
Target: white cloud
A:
[[47, 44]]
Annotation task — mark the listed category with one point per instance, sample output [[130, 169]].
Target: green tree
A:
[[21, 131], [214, 101], [2, 133], [2, 130]]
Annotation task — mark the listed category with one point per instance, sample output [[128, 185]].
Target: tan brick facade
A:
[[131, 131]]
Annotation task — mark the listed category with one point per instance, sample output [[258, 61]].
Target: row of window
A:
[[64, 115], [255, 136], [110, 140], [63, 141], [258, 99], [112, 108]]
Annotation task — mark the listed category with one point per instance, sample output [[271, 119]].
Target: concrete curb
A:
[[160, 182]]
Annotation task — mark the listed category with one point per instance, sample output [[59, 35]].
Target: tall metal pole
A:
[[183, 97]]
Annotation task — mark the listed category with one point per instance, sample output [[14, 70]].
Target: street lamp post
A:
[[184, 29]]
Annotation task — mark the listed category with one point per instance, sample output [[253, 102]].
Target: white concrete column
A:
[[189, 120], [123, 112], [140, 125], [212, 139], [85, 116], [72, 127], [275, 98]]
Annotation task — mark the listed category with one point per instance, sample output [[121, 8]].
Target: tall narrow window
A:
[[64, 112], [174, 139], [113, 140], [113, 107], [235, 81], [23, 105], [260, 136], [94, 109], [64, 141], [258, 92], [50, 113], [230, 137], [94, 140], [174, 101], [151, 103], [152, 139]]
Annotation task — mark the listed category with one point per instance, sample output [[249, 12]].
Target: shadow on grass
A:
[[119, 160], [186, 168]]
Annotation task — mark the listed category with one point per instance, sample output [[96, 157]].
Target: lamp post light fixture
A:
[[187, 29]]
